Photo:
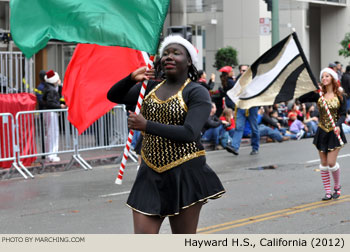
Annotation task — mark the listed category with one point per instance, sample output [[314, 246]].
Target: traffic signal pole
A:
[[275, 22]]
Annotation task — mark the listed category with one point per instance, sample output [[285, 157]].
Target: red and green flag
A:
[[92, 71], [135, 24]]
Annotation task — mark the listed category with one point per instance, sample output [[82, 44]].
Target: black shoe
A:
[[231, 150], [336, 193], [327, 197], [254, 152]]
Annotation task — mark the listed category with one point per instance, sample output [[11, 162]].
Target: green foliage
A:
[[344, 44], [226, 56]]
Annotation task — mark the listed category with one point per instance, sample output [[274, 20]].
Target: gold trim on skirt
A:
[[215, 196]]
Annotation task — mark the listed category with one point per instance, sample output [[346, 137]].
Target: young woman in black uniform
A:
[[325, 139], [173, 179]]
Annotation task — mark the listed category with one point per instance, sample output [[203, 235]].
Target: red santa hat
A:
[[51, 77]]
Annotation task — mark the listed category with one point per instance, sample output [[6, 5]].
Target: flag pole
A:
[[149, 64], [330, 116]]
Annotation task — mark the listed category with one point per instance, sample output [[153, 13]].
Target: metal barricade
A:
[[111, 130], [8, 146], [45, 133]]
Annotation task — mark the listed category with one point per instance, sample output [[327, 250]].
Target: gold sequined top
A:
[[333, 106], [161, 153]]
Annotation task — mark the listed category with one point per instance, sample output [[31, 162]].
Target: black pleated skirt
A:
[[328, 141], [165, 194]]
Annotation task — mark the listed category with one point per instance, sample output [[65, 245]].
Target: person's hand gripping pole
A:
[[149, 64]]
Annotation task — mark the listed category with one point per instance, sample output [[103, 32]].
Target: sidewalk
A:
[[92, 157]]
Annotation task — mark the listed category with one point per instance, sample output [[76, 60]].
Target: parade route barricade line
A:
[[76, 156], [8, 147], [270, 215], [109, 131], [35, 135], [43, 133]]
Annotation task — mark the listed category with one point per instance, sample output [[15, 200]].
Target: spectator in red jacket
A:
[[228, 128]]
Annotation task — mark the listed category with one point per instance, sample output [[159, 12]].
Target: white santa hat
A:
[[334, 75], [177, 39], [51, 77], [330, 71]]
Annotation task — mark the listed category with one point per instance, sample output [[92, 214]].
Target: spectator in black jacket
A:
[[203, 80], [40, 89], [212, 128], [51, 100], [269, 126], [345, 83]]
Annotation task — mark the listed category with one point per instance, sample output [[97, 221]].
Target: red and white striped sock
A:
[[326, 179], [336, 178]]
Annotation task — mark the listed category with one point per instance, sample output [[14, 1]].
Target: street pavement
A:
[[278, 191]]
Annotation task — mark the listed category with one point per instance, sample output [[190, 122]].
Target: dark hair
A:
[[240, 66], [347, 68], [223, 78], [193, 73], [273, 111], [159, 74], [42, 74], [200, 73], [192, 70]]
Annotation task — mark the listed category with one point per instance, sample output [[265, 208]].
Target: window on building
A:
[[4, 16], [194, 6], [337, 1], [204, 64], [204, 39]]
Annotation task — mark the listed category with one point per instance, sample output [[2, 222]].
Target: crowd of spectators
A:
[[280, 122]]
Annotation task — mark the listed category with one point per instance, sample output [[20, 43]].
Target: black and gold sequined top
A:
[[336, 106], [333, 106], [173, 130], [161, 153]]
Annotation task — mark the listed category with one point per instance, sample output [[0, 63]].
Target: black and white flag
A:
[[280, 74]]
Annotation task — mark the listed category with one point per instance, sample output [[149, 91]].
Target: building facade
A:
[[246, 26], [243, 24]]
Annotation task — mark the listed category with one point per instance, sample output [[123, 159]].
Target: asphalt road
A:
[[282, 199]]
